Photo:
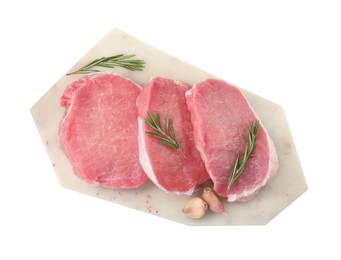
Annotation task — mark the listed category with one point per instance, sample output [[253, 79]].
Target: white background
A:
[[286, 51]]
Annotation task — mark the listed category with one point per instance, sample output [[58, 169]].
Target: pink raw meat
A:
[[164, 165], [219, 112], [99, 131]]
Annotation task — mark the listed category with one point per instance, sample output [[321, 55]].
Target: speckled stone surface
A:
[[287, 186]]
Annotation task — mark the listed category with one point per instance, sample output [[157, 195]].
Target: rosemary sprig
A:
[[120, 60], [238, 168], [166, 136]]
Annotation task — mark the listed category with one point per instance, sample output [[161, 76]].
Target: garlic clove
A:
[[213, 201], [195, 208]]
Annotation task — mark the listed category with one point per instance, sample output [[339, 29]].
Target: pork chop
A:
[[98, 133], [219, 112], [167, 167]]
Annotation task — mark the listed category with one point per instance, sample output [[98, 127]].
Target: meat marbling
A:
[[219, 112], [98, 133], [164, 165]]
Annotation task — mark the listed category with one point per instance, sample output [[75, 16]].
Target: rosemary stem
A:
[[183, 154], [120, 60]]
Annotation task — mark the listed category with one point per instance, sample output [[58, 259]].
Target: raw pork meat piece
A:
[[99, 131], [166, 166], [219, 112]]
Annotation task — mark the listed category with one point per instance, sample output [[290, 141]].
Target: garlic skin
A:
[[213, 201], [195, 208]]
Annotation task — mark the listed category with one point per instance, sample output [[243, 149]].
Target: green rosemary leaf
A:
[[158, 122], [168, 143], [171, 130], [155, 120], [150, 124], [154, 134], [87, 71], [93, 63]]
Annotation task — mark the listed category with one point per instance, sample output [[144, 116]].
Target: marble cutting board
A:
[[287, 186]]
